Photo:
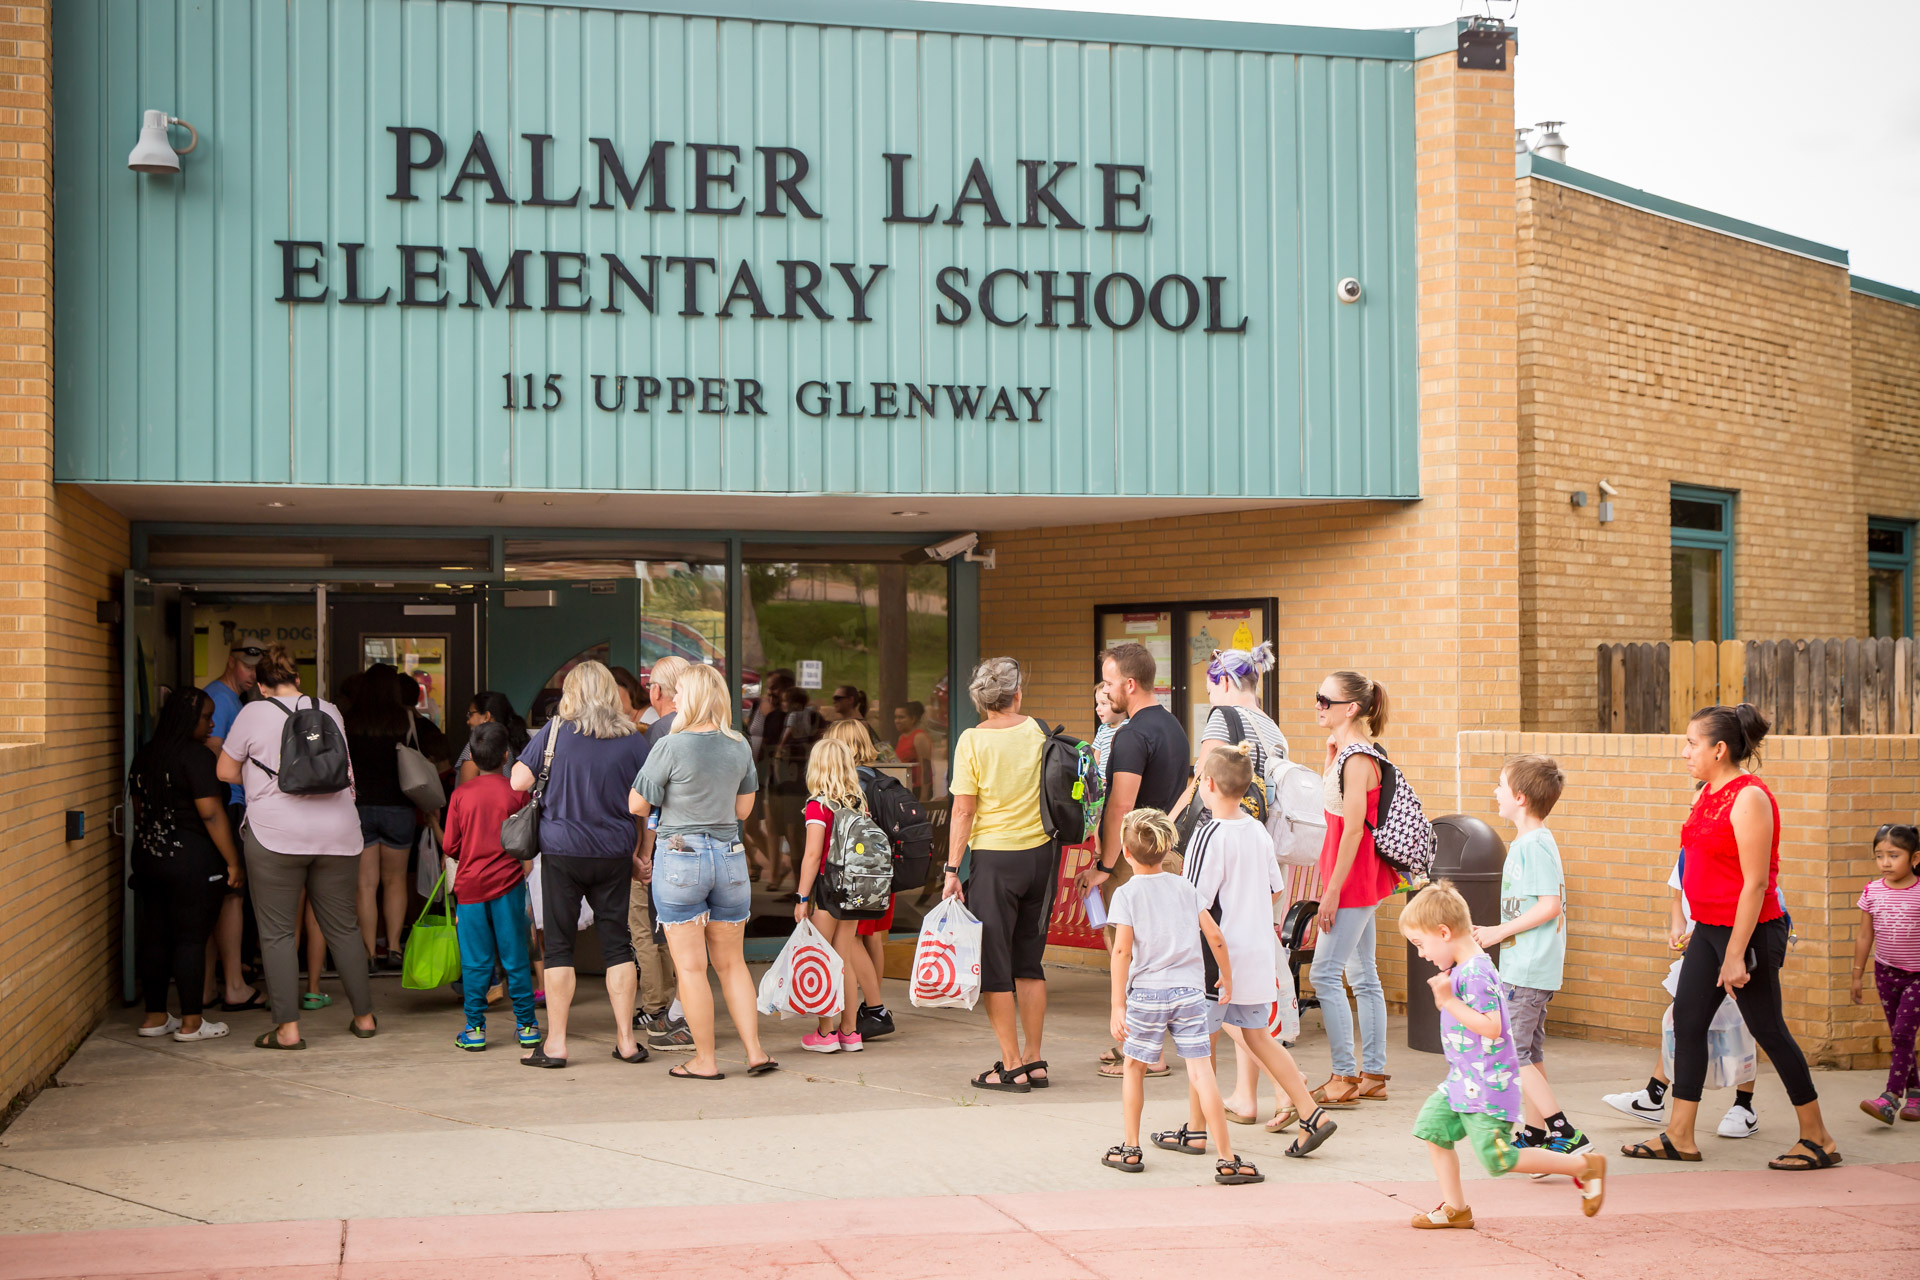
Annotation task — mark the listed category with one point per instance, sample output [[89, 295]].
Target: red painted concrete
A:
[[1857, 1221]]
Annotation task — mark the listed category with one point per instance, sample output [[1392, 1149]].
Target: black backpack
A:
[[313, 752], [1072, 788], [897, 812]]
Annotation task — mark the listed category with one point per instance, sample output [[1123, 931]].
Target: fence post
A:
[[1680, 703], [1617, 703], [1662, 690], [1903, 685], [1603, 687], [1733, 672]]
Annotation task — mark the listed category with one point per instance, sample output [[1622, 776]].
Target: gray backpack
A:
[[859, 865]]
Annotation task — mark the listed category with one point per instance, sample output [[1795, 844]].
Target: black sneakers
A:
[[872, 1023], [664, 1031]]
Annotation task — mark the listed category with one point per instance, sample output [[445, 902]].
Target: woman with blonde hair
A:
[[996, 815], [1353, 709], [588, 847], [701, 779], [833, 785]]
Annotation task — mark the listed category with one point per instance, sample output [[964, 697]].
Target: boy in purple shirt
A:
[[1480, 1099]]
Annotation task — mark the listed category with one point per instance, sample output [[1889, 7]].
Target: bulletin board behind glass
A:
[[1182, 637]]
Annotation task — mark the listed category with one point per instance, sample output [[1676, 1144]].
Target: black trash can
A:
[[1472, 855]]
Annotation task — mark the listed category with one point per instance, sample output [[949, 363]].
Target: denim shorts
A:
[[393, 825], [699, 879]]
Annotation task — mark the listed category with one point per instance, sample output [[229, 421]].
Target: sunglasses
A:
[[1325, 703], [252, 651]]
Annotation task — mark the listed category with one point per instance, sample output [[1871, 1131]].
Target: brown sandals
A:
[[1339, 1093], [1373, 1088]]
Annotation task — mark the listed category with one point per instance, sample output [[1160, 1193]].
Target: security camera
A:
[[940, 552], [1348, 290]]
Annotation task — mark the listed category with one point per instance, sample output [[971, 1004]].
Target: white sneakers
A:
[[1638, 1105], [1739, 1122]]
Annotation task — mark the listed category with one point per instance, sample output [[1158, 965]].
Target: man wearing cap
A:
[[228, 692]]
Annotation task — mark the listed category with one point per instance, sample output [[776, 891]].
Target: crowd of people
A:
[[656, 816]]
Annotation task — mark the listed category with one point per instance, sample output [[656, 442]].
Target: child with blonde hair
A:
[[833, 783], [1157, 979], [1480, 1099]]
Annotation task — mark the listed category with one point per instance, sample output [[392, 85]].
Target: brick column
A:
[[61, 550], [1469, 379]]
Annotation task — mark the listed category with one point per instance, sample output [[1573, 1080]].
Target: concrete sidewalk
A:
[[149, 1132], [1851, 1223]]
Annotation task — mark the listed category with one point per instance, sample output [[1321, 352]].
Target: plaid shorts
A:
[[1151, 1014]]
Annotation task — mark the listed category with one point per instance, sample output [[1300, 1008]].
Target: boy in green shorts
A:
[[1533, 927], [1479, 1100]]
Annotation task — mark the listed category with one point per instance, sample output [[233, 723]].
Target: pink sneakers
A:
[[814, 1042], [850, 1042]]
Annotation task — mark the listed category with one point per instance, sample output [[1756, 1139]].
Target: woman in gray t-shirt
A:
[[701, 779]]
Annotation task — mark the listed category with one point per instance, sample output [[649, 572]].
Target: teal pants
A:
[[498, 930]]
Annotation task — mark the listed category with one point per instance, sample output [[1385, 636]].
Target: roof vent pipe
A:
[[1520, 147], [1551, 145]]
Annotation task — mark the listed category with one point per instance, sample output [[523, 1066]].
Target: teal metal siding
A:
[[1282, 172]]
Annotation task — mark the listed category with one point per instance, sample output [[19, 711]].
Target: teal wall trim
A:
[[1431, 42], [1039, 24], [1885, 292], [1607, 189], [247, 321]]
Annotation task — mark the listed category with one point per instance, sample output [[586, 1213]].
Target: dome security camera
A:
[[1348, 290]]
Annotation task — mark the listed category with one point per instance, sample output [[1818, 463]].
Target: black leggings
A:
[[1699, 995], [176, 901]]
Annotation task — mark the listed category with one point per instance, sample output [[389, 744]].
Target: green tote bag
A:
[[432, 957]]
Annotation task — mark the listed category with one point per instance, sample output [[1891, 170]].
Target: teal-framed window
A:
[[1702, 525], [1890, 577]]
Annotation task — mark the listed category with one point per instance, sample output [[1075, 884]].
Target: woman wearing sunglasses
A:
[[1353, 709]]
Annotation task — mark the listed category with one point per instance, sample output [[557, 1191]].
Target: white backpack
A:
[[1296, 816]]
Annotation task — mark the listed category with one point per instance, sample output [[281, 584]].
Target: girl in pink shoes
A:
[[1890, 929], [833, 783]]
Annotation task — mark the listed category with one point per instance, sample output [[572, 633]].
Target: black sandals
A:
[[1800, 1161], [1314, 1130], [1665, 1151], [1125, 1159], [1182, 1139], [1235, 1173], [1003, 1079]]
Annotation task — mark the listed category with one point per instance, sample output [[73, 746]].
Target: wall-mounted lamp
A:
[[1606, 507], [155, 153]]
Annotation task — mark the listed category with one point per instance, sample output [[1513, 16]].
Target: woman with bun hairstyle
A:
[[1353, 709], [1730, 872], [295, 843]]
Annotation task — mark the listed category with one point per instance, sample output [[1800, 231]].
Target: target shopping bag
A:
[[804, 981], [946, 961], [1283, 1018]]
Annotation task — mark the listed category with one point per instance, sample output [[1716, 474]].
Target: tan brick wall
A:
[[1618, 828], [60, 552], [1886, 406], [1421, 596], [1653, 353]]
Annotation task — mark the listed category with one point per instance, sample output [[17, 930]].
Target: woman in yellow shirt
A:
[[996, 811]]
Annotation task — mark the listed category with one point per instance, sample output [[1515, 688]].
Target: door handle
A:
[[114, 823]]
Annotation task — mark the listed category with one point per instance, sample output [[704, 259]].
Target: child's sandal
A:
[[1314, 1130], [1236, 1173], [1182, 1139], [1125, 1159]]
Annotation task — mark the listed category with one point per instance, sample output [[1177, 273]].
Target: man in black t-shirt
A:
[[1147, 767]]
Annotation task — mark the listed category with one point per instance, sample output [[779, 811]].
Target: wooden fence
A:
[[1803, 686]]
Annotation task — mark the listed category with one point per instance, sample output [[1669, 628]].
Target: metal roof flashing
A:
[[1633, 197], [1884, 292]]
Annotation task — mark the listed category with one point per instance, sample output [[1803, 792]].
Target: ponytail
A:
[[1742, 728], [1369, 695]]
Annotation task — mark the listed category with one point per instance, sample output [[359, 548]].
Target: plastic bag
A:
[[426, 867], [805, 980], [946, 960], [1730, 1047], [1283, 1019]]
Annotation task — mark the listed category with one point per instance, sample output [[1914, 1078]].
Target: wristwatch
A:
[[953, 871]]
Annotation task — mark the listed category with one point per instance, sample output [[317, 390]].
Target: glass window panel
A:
[[1691, 513], [1208, 630], [1882, 540], [1696, 594], [1886, 602]]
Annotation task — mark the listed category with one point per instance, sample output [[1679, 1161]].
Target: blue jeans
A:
[[702, 880], [491, 931], [1348, 948]]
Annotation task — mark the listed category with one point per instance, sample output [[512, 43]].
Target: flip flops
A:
[[1665, 1151], [640, 1054], [762, 1068], [681, 1073], [1800, 1161], [539, 1058], [251, 1002], [367, 1034]]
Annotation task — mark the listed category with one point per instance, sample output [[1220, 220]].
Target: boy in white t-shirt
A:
[[1232, 867], [1157, 981]]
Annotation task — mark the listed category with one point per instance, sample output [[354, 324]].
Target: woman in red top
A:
[[1354, 710], [1730, 852]]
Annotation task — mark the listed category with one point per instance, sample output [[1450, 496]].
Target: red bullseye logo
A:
[[810, 983], [1273, 1020], [935, 976]]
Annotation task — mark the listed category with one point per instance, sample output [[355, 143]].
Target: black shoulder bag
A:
[[520, 833]]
